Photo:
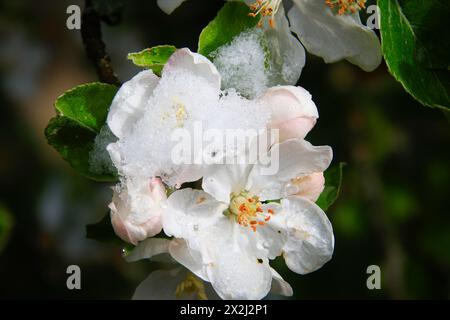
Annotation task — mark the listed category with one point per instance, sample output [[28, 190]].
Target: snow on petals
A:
[[147, 111]]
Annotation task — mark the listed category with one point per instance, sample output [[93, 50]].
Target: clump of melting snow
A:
[[245, 117], [242, 63], [179, 100], [99, 159], [256, 59], [238, 112]]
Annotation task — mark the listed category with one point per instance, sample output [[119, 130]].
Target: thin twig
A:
[[91, 34]]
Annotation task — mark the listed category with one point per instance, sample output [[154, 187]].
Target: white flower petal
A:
[[162, 285], [271, 237], [188, 257], [130, 102], [188, 211], [309, 186], [310, 241], [185, 173], [334, 37], [148, 249], [123, 229], [184, 59], [237, 274], [287, 53], [159, 285], [279, 285], [168, 6], [221, 180], [296, 157], [235, 268], [295, 128]]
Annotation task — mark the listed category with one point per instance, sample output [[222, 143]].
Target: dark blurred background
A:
[[393, 210]]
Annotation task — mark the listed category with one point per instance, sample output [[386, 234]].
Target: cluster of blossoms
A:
[[225, 233], [330, 29]]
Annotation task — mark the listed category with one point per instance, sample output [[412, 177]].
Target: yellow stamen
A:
[[342, 7], [247, 210], [191, 285], [267, 9], [180, 114]]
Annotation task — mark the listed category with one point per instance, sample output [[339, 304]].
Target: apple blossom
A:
[[329, 29], [326, 28], [147, 110], [294, 114], [231, 229]]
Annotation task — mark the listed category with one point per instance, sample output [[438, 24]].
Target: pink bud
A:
[[136, 209], [293, 111]]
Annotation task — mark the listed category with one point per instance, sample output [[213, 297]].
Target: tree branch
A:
[[91, 34]]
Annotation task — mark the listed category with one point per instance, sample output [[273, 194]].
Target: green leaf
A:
[[153, 58], [231, 20], [333, 181], [87, 104], [82, 113], [416, 47], [74, 143], [6, 225]]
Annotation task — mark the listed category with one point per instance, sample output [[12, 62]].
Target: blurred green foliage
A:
[[6, 224]]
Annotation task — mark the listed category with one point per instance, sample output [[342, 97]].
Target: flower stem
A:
[[91, 35]]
